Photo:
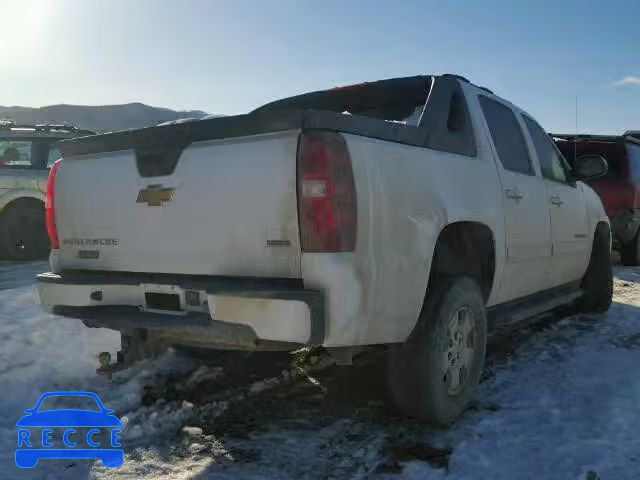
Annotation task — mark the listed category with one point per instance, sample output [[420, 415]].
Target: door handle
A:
[[513, 194], [555, 199]]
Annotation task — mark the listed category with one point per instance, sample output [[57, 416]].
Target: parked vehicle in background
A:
[[26, 155], [413, 212], [619, 189]]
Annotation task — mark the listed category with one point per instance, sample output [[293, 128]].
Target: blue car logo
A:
[[62, 433]]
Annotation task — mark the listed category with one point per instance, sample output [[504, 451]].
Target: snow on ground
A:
[[40, 352], [568, 403], [560, 400], [37, 355]]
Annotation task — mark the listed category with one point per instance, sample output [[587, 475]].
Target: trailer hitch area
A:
[[106, 368]]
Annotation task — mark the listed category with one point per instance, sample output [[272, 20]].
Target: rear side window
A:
[[551, 163], [634, 161], [507, 136], [15, 153]]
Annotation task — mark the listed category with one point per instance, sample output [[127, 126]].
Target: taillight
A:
[[327, 207], [50, 207]]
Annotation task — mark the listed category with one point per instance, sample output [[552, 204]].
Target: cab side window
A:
[[551, 162], [446, 119], [507, 136]]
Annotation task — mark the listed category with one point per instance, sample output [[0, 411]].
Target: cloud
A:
[[629, 80]]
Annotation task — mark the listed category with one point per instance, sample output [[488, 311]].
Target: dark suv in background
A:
[[619, 189]]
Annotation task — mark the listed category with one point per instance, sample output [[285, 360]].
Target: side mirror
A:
[[587, 167]]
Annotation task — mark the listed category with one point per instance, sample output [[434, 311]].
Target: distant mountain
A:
[[104, 118]]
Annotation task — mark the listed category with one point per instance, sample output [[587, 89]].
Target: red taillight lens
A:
[[327, 207], [52, 230]]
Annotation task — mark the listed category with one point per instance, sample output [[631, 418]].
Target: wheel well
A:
[[602, 231], [465, 248], [602, 228], [23, 202]]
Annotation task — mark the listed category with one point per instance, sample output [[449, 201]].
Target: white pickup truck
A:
[[413, 212]]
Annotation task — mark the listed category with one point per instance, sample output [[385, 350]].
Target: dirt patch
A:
[[400, 454]]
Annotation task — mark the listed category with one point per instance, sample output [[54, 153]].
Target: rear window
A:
[[507, 136], [32, 154], [399, 99], [16, 153]]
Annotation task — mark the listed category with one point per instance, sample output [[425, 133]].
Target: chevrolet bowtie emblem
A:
[[155, 195]]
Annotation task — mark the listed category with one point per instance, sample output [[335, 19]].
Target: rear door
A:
[[527, 223], [570, 238]]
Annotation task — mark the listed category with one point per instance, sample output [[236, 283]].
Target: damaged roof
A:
[[628, 136]]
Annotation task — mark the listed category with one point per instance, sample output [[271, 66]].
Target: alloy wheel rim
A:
[[459, 351]]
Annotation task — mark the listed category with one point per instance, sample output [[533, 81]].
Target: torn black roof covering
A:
[[393, 98], [628, 136], [370, 103]]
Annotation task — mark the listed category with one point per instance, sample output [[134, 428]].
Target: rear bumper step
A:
[[193, 329], [246, 313]]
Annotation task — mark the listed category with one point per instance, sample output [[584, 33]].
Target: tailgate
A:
[[227, 208]]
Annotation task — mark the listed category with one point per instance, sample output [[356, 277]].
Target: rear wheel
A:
[[597, 282], [433, 375], [630, 251], [23, 233]]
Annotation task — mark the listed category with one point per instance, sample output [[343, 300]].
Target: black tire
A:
[[630, 251], [419, 378], [23, 233], [597, 282]]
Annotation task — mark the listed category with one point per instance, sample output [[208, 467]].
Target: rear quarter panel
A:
[[406, 195]]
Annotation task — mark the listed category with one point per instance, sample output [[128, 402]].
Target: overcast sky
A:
[[231, 56]]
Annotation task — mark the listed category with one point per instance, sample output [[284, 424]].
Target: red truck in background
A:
[[619, 189]]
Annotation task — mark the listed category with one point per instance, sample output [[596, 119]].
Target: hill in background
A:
[[103, 118]]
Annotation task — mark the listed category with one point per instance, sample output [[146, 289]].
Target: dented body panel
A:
[[375, 293]]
